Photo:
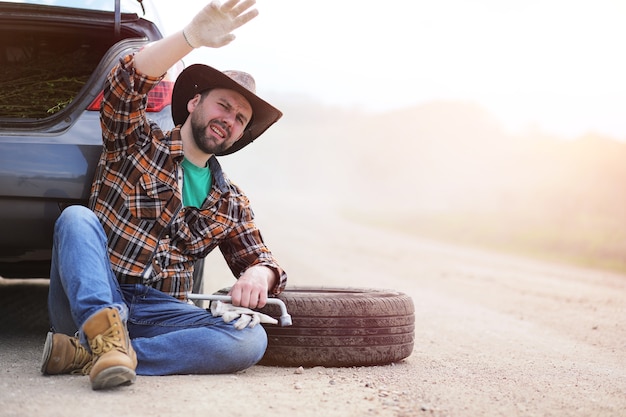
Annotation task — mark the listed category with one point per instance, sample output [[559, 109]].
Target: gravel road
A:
[[496, 335]]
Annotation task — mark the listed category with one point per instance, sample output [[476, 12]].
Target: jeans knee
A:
[[73, 214], [77, 220], [246, 350], [257, 344]]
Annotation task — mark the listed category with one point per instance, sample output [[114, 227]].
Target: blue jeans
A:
[[169, 336]]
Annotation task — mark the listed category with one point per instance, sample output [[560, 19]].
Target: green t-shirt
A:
[[196, 184]]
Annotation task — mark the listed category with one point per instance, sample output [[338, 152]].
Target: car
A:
[[54, 57]]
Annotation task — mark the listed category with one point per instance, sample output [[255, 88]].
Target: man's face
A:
[[218, 119]]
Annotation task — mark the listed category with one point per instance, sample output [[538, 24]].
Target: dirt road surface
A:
[[496, 335]]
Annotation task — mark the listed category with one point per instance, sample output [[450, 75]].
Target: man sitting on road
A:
[[122, 270]]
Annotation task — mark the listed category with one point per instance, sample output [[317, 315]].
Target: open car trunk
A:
[[49, 55], [45, 71]]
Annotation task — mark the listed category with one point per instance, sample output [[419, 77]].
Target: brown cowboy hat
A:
[[198, 78]]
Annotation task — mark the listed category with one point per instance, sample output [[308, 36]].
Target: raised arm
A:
[[211, 27]]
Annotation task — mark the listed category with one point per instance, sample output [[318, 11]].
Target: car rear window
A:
[[36, 81]]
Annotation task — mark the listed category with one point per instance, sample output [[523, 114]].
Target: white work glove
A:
[[245, 316], [213, 25]]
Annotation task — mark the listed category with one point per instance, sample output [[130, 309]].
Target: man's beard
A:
[[204, 141]]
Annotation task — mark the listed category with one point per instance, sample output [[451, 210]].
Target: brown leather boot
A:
[[114, 360], [63, 354]]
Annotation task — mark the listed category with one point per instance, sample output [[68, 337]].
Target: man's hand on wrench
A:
[[250, 289]]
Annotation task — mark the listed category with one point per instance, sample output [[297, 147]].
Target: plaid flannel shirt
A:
[[152, 238]]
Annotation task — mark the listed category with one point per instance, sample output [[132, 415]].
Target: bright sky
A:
[[554, 65]]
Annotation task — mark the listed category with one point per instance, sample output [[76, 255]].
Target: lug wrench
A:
[[285, 318]]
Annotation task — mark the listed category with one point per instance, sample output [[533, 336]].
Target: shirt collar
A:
[[176, 147], [218, 174]]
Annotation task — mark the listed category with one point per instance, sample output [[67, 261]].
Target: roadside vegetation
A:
[[447, 170], [470, 183]]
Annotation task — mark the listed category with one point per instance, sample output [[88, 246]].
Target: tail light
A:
[[158, 98]]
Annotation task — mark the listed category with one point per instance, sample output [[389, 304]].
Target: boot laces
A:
[[83, 359], [107, 341], [85, 370]]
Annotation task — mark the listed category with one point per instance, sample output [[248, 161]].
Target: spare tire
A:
[[340, 327]]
